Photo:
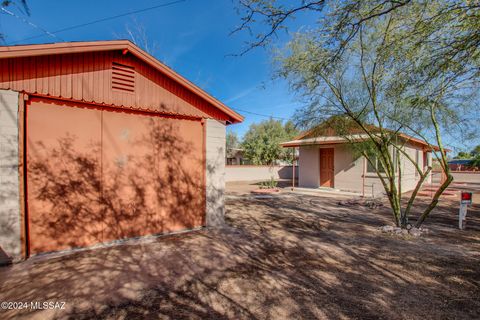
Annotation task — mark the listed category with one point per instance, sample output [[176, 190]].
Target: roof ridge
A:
[[17, 51]]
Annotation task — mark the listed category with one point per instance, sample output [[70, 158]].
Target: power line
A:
[[104, 19], [29, 23], [52, 34], [259, 114]]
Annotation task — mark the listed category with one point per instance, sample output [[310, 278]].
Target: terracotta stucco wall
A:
[[10, 220], [96, 175]]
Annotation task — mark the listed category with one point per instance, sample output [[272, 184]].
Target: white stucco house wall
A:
[[328, 161]]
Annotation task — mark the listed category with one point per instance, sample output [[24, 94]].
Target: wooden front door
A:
[[327, 172]]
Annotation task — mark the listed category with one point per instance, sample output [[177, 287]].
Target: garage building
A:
[[99, 142]]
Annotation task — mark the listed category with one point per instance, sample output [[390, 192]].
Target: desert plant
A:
[[383, 67], [270, 184]]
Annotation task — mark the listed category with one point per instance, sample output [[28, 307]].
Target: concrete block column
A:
[[215, 158], [10, 219]]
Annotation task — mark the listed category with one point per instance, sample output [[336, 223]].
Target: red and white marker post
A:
[[465, 201]]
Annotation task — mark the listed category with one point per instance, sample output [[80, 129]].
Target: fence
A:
[[463, 167], [252, 173]]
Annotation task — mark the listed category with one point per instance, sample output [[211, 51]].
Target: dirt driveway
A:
[[292, 257]]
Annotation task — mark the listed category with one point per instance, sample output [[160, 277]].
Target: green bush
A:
[[270, 184]]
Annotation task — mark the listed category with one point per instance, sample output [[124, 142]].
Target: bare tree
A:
[[136, 32]]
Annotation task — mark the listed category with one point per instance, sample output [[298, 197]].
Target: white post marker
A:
[[465, 201]]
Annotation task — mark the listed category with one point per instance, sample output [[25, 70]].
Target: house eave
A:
[[330, 140], [126, 46]]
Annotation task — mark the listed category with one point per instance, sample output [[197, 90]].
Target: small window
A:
[[376, 164]]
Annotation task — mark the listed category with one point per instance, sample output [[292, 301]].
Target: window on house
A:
[[376, 164]]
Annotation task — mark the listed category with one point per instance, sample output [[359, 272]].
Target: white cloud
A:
[[240, 95]]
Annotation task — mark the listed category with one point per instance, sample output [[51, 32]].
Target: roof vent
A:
[[123, 77]]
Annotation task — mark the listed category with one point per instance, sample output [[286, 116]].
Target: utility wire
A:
[[52, 34], [259, 114], [104, 19], [30, 24]]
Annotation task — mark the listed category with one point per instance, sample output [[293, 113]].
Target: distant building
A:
[[461, 165], [234, 156]]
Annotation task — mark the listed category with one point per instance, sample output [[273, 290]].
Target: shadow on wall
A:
[[287, 172], [9, 190], [215, 187], [36, 75], [77, 197], [4, 258], [10, 223]]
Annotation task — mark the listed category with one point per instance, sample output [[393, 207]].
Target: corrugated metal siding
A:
[[88, 77]]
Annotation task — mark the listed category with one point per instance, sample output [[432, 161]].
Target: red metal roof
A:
[[95, 46], [303, 139]]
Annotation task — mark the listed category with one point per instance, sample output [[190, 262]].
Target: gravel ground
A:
[[287, 257]]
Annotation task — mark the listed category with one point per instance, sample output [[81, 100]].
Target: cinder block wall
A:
[[215, 157], [10, 220], [258, 173]]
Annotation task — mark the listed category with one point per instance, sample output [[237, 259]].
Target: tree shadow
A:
[[9, 195], [77, 196], [291, 257]]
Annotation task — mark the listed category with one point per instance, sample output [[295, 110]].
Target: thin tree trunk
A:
[[390, 194], [415, 191], [445, 168], [434, 202]]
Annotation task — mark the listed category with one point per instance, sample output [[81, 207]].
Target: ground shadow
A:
[[291, 257]]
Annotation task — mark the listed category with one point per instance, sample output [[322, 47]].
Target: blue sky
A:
[[192, 37]]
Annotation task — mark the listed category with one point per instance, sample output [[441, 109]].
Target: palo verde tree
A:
[[381, 69], [261, 143], [136, 32]]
